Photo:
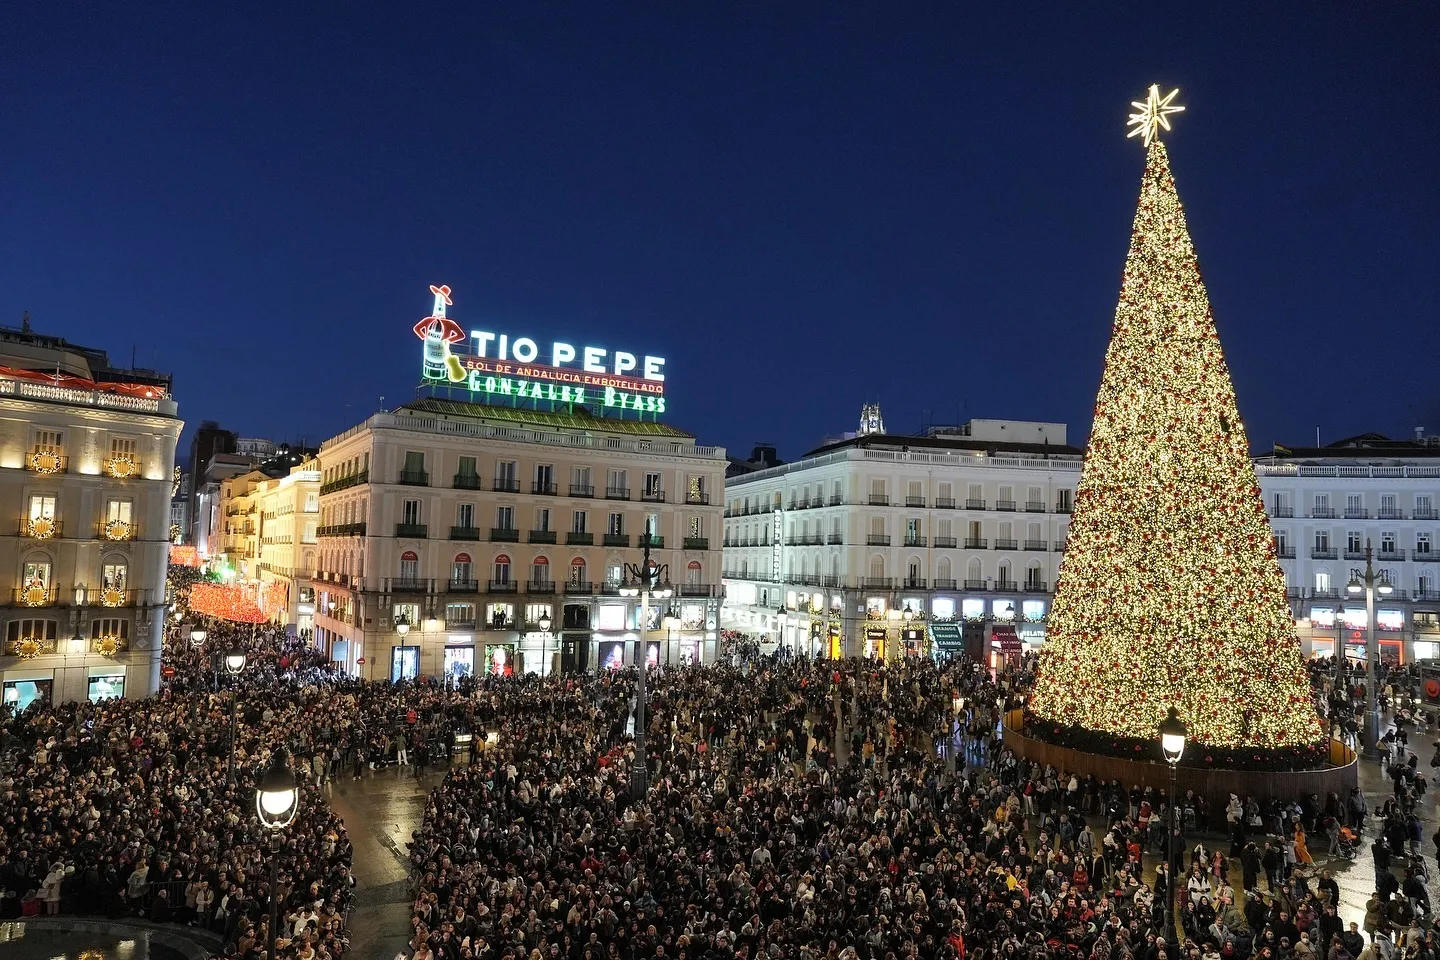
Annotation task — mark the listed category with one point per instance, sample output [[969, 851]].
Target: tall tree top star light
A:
[[1170, 593]]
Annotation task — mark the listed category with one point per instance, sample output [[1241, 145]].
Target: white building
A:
[[963, 528], [1326, 504], [86, 460], [449, 530]]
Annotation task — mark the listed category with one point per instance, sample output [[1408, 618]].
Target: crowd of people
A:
[[796, 808]]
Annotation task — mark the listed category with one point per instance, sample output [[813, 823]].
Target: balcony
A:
[[946, 542], [1034, 506], [700, 499], [1063, 507], [695, 590], [581, 490], [616, 540], [656, 542], [696, 543], [1059, 546], [121, 466], [1357, 513], [409, 585], [114, 597], [414, 530], [413, 478], [464, 533], [1007, 544], [915, 541], [836, 500], [542, 489], [540, 586], [1325, 553], [1285, 552], [41, 528], [1422, 553], [1424, 513], [913, 583], [579, 588], [876, 583], [944, 503], [1322, 513], [467, 481], [1036, 586], [1007, 586], [580, 539], [502, 586], [341, 530], [1325, 593], [541, 536], [943, 583], [344, 483], [1390, 555], [976, 543], [653, 496], [1284, 513], [1356, 553], [974, 504], [506, 485], [835, 539], [879, 500], [1008, 505], [27, 647], [1036, 545], [504, 535], [46, 462], [977, 585], [877, 540], [1425, 594], [462, 586], [914, 501]]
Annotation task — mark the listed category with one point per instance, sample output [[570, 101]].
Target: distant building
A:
[[1326, 504], [762, 457], [268, 537], [87, 454]]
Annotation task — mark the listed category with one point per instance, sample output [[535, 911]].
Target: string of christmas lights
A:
[[1169, 592], [225, 602]]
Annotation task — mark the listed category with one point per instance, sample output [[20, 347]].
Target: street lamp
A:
[[197, 636], [234, 661], [402, 623], [1172, 744], [1369, 586], [647, 580], [544, 623], [277, 800]]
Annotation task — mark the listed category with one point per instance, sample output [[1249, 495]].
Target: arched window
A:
[[744, 569], [462, 571], [912, 572], [942, 568], [410, 566], [501, 572], [540, 571], [974, 575], [577, 571], [1322, 580], [692, 572], [877, 567], [1004, 575], [1032, 576]]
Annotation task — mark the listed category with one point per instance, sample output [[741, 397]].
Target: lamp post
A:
[[1172, 744], [545, 623], [1370, 585], [234, 665], [645, 581], [277, 800], [197, 637]]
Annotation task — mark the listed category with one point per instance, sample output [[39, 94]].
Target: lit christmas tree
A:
[[1169, 592]]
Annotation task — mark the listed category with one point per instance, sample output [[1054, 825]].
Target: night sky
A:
[[801, 206]]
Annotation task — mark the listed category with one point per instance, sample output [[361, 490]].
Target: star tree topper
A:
[[1153, 114]]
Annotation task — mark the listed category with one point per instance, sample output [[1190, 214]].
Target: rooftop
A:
[[1364, 447], [577, 419]]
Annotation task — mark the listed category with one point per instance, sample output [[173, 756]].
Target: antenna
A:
[[1317, 436]]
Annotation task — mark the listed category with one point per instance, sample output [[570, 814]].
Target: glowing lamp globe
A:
[[1384, 588], [234, 662], [277, 798], [545, 622], [1172, 736], [1354, 588], [197, 636]]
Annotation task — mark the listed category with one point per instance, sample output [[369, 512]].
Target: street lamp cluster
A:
[[1369, 585], [645, 580]]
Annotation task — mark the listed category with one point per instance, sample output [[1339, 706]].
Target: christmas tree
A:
[[1170, 593]]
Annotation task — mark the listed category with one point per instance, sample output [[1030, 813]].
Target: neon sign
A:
[[502, 367]]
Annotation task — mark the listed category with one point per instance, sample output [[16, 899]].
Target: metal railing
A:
[[504, 535], [506, 485], [467, 481], [414, 478], [543, 489], [946, 542], [1006, 543], [464, 533], [581, 490], [412, 530], [1007, 505]]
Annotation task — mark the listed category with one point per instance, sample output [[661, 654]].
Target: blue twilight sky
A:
[[802, 206]]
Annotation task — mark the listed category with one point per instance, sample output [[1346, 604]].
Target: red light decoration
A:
[[225, 602]]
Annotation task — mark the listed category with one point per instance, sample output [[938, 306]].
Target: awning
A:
[[946, 635]]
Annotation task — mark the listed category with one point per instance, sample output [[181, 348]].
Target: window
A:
[[652, 524], [1422, 543], [1281, 543], [49, 441], [534, 611], [410, 512], [877, 568], [616, 525], [117, 510], [1322, 504], [977, 492], [1006, 495], [912, 529], [37, 572], [877, 526], [652, 485], [943, 529], [1387, 541], [1005, 531], [616, 483], [1387, 505], [697, 527], [542, 519], [693, 573], [1032, 577], [467, 468], [461, 570], [109, 627], [410, 566], [1032, 532], [614, 572], [912, 572], [459, 614], [577, 571], [580, 480], [122, 447], [307, 533], [1354, 542], [577, 522], [409, 612], [912, 490], [42, 507], [696, 490], [544, 478], [505, 518], [1033, 498], [507, 474], [1322, 540], [17, 630], [414, 469], [1353, 504], [1422, 505], [1322, 581], [465, 516], [877, 488], [113, 575], [973, 572], [501, 571], [540, 571]]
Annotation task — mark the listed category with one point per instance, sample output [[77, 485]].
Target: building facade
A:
[[86, 460], [449, 530], [881, 543], [288, 523], [1327, 504]]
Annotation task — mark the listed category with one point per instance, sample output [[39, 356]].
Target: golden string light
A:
[[1170, 592]]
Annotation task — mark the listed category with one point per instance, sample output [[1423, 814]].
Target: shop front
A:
[[1005, 646], [946, 640]]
